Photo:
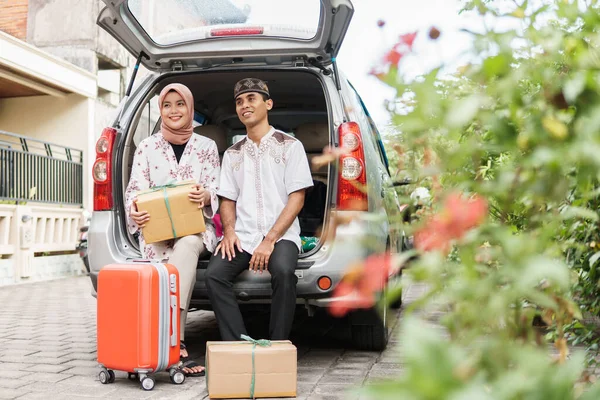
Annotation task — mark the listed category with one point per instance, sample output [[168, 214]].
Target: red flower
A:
[[377, 73], [464, 214], [458, 216], [408, 39], [393, 56], [360, 284], [433, 236]]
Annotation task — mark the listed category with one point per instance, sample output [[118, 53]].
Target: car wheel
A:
[[397, 304], [86, 263], [369, 330]]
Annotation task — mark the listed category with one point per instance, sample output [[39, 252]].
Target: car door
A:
[[385, 187], [189, 34]]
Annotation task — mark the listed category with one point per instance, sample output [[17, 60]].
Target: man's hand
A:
[[199, 195], [141, 218], [228, 244], [260, 257]]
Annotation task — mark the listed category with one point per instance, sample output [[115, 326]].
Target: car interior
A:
[[300, 109]]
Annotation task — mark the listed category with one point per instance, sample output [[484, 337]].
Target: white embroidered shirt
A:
[[260, 178]]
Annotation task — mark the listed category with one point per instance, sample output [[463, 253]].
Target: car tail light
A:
[[245, 31], [102, 170], [352, 180]]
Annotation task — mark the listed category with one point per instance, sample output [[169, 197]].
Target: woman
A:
[[175, 154]]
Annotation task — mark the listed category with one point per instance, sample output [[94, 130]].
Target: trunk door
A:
[[189, 34]]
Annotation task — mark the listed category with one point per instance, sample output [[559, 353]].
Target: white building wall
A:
[[64, 121]]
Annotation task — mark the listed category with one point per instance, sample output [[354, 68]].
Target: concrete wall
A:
[[64, 121], [67, 29], [24, 242]]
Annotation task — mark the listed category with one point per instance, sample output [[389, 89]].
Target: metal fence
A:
[[38, 171]]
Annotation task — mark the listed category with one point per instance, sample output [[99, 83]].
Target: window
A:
[[170, 22]]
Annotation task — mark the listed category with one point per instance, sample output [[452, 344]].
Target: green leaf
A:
[[556, 128], [540, 268], [592, 393], [574, 87], [463, 111], [579, 212], [594, 258], [496, 66]]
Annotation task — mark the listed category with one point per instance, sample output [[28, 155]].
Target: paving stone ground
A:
[[48, 349]]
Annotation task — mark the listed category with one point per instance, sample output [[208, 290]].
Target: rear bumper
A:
[[331, 260]]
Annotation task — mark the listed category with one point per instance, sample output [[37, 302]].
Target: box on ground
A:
[[172, 214], [229, 369]]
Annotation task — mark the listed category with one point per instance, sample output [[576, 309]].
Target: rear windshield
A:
[[170, 22]]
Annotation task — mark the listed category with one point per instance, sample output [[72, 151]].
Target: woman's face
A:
[[174, 112]]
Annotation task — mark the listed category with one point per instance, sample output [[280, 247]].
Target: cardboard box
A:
[[184, 217], [229, 369]]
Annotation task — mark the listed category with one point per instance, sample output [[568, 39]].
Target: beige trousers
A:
[[186, 252]]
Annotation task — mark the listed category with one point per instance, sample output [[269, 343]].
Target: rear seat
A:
[[216, 133], [314, 136]]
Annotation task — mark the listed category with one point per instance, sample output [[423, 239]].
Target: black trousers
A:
[[221, 273]]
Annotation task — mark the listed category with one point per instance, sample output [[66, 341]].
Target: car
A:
[[293, 47]]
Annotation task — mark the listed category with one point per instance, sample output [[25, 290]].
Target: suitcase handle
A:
[[174, 326]]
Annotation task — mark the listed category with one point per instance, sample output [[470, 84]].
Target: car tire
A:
[[369, 330], [396, 305], [86, 263]]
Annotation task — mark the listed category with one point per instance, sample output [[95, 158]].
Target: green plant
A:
[[510, 147]]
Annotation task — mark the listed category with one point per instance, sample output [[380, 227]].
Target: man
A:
[[263, 179]]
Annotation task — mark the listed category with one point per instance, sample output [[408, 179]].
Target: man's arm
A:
[[287, 216], [227, 211], [230, 239], [260, 257]]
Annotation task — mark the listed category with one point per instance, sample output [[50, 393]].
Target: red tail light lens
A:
[[352, 180], [245, 31], [102, 170]]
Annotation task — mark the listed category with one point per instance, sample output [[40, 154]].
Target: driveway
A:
[[48, 350]]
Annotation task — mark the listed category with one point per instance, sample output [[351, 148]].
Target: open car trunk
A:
[[300, 109]]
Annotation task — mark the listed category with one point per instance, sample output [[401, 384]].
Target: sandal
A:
[[185, 362]]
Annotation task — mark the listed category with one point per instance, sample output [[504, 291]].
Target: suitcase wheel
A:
[[132, 376], [106, 376], [147, 383], [177, 376]]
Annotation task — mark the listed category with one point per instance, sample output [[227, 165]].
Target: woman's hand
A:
[[199, 195], [141, 218]]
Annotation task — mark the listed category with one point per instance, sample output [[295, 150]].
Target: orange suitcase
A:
[[138, 321]]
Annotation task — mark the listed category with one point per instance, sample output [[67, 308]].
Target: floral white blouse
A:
[[155, 164]]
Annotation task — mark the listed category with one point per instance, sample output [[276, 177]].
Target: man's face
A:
[[251, 108]]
